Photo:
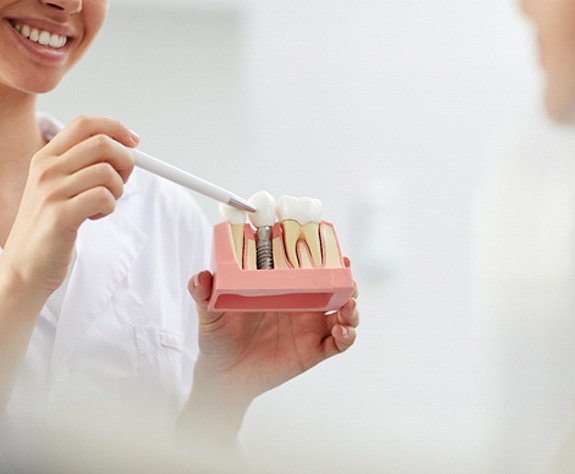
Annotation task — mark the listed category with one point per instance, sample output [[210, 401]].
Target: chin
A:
[[36, 86], [560, 104]]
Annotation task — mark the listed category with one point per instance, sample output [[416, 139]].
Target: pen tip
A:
[[242, 204]]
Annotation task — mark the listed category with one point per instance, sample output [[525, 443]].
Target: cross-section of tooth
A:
[[280, 258], [300, 219], [310, 229], [250, 250], [332, 257], [263, 220], [237, 220], [303, 255]]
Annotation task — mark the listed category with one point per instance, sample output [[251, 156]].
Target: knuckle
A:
[[83, 120], [103, 198], [102, 142], [43, 174], [118, 124], [106, 172], [36, 160], [109, 204]]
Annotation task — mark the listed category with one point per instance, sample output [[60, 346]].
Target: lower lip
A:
[[39, 52]]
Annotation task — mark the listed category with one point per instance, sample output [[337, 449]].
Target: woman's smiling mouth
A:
[[42, 37]]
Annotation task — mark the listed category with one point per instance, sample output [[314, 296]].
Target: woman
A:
[[554, 21], [92, 306], [524, 254]]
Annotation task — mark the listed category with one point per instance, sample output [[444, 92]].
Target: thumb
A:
[[200, 287]]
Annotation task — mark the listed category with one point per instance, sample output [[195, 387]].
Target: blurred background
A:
[[390, 112]]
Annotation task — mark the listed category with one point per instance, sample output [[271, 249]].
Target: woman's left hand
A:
[[243, 355]]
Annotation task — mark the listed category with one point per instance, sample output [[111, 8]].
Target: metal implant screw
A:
[[265, 255]]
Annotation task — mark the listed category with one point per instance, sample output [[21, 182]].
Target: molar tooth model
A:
[[294, 264]]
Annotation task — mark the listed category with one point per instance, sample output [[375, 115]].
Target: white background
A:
[[384, 109]]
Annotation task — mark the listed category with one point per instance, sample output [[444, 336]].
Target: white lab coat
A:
[[126, 338]]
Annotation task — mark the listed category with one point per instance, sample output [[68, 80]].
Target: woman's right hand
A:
[[79, 175]]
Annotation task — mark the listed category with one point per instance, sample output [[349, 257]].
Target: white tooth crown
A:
[[302, 210], [300, 219], [304, 242], [45, 38], [232, 215], [265, 204]]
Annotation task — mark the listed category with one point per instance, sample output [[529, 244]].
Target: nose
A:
[[68, 6]]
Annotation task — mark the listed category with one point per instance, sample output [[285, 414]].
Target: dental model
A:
[[300, 219], [306, 270], [263, 220], [237, 220]]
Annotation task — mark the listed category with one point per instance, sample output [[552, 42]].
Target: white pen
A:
[[178, 176]]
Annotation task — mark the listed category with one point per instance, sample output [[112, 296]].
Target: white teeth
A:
[[313, 210], [45, 38], [233, 215], [55, 41], [300, 219], [301, 210], [265, 204]]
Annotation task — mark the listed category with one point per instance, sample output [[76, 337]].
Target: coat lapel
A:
[[106, 251]]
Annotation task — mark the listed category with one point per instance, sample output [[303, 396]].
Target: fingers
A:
[[85, 127], [347, 263], [342, 338], [96, 201], [83, 169], [98, 149], [349, 315], [101, 174], [342, 328], [200, 287]]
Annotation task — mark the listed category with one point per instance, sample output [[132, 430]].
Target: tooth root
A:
[[280, 258], [311, 235], [250, 253], [303, 254], [292, 233], [332, 257], [237, 239]]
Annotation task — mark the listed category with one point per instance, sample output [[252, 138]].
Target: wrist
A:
[[14, 284], [216, 408]]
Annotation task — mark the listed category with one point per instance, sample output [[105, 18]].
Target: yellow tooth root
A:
[[292, 233], [304, 255], [237, 232], [332, 255], [311, 235], [280, 259], [250, 258]]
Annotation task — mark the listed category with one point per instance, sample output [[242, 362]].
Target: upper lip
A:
[[45, 25]]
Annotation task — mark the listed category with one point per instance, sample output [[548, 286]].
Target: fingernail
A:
[[196, 281], [344, 331], [135, 136]]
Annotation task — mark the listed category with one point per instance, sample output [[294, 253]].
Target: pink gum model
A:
[[301, 289]]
